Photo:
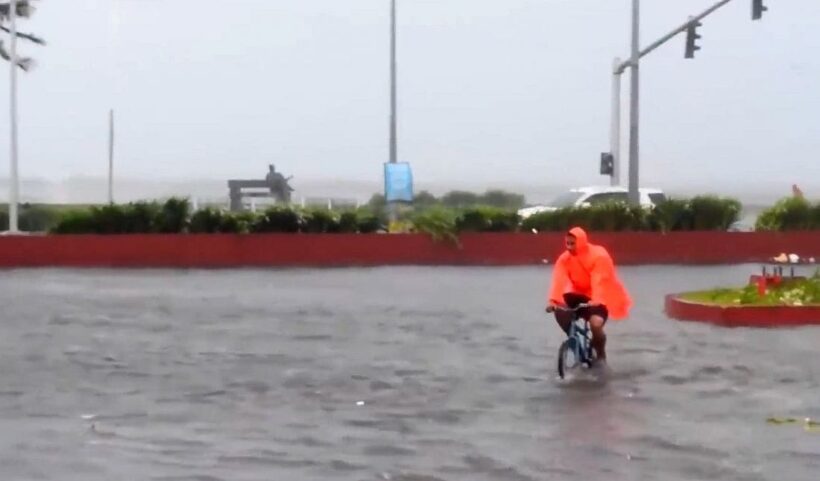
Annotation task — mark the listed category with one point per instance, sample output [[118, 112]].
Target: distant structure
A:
[[275, 186]]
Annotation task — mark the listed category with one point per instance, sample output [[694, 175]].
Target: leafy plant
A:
[[211, 221], [713, 213], [487, 219], [791, 213], [670, 215], [440, 224], [278, 219], [80, 221], [368, 223], [173, 216], [320, 221]]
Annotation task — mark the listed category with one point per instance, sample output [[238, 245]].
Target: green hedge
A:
[[174, 216], [487, 219], [134, 218], [216, 221], [605, 217], [698, 213], [792, 213]]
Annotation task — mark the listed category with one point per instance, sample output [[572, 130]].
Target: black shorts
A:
[[572, 300]]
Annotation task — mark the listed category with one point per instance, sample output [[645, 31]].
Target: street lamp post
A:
[[393, 113], [391, 206], [13, 174]]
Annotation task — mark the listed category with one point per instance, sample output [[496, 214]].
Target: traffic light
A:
[[691, 37], [607, 164], [757, 9]]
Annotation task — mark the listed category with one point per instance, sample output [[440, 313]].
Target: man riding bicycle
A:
[[585, 274]]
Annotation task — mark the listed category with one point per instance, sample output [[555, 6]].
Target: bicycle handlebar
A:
[[569, 309]]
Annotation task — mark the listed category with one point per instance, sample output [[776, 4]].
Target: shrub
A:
[[670, 215], [368, 223], [792, 213], [173, 216], [439, 223], [278, 219], [487, 219], [136, 218], [212, 221], [320, 221], [78, 221], [602, 217], [615, 217], [555, 221], [349, 222], [815, 217], [713, 213]]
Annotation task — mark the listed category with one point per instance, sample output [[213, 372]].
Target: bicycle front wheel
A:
[[567, 358]]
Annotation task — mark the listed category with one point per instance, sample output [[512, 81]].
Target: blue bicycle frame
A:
[[579, 340], [579, 336]]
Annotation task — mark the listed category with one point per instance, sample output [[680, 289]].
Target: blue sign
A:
[[398, 182]]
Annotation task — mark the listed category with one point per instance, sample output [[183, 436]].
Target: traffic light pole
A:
[[683, 27], [619, 68], [634, 195]]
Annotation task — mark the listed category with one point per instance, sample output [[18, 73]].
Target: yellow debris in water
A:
[[809, 425], [781, 420]]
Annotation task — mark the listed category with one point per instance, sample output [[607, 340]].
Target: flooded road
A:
[[402, 374]]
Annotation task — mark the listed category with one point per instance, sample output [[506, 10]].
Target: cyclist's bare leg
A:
[[564, 319], [596, 324]]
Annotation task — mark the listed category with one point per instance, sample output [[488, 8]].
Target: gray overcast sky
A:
[[514, 90]]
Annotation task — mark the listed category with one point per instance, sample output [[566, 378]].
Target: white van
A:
[[592, 195]]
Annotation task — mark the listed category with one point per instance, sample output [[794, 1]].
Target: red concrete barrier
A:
[[742, 316], [331, 250]]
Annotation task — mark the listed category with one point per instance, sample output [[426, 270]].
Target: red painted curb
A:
[[742, 316], [344, 250]]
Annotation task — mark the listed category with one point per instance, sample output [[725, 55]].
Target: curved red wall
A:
[[742, 316], [228, 250]]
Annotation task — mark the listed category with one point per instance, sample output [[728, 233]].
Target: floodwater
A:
[[402, 374]]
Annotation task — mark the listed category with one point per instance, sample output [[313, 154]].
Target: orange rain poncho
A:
[[590, 272]]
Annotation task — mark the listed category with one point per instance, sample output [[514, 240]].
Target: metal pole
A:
[[680, 29], [683, 27], [634, 117], [393, 113], [391, 206], [111, 156], [14, 187], [615, 127]]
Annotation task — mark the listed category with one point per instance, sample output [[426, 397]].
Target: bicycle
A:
[[577, 348]]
